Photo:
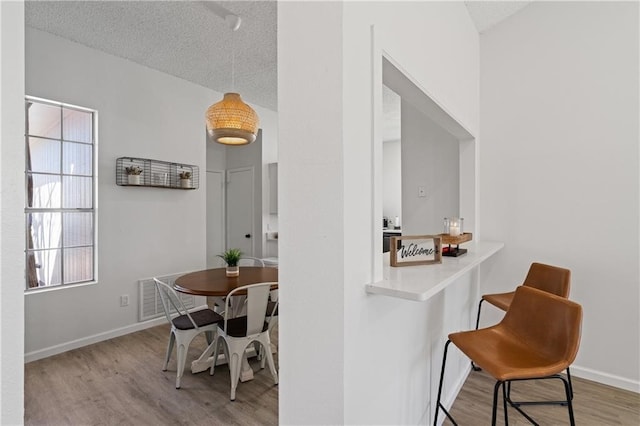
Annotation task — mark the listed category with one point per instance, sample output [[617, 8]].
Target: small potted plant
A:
[[185, 179], [231, 258], [133, 174]]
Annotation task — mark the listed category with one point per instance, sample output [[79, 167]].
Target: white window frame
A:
[[94, 202]]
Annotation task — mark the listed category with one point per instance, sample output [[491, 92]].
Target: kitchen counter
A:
[[420, 283], [391, 231]]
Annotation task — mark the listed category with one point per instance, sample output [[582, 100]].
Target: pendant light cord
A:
[[233, 61]]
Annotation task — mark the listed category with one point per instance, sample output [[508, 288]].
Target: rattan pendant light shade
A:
[[231, 121]]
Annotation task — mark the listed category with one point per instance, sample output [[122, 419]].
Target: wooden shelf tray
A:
[[459, 239]]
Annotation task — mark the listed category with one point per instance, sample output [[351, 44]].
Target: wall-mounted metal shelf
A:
[[157, 174]]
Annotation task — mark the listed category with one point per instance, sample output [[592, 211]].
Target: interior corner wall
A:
[[559, 166], [326, 186], [311, 213], [447, 70], [431, 160], [12, 213]]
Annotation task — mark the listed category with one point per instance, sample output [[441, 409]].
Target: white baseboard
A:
[[606, 378], [89, 340]]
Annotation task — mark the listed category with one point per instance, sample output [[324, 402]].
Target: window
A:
[[60, 194]]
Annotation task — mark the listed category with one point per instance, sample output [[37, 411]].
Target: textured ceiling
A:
[[182, 38], [189, 40]]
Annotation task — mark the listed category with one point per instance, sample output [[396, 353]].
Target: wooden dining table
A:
[[215, 285]]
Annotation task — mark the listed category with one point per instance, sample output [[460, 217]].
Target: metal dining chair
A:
[[185, 326], [250, 261], [235, 334]]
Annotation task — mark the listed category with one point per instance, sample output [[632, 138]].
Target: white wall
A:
[[251, 156], [11, 213], [269, 125], [310, 213], [143, 232], [392, 179], [559, 166], [379, 387], [377, 355], [430, 159]]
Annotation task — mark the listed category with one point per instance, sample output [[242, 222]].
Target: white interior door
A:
[[240, 210], [215, 218]]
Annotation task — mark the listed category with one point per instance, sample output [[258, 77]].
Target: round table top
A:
[[214, 282]]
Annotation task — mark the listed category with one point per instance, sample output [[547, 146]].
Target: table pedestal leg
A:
[[246, 372], [206, 361]]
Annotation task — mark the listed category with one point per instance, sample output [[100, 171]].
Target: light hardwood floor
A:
[[594, 404], [120, 382]]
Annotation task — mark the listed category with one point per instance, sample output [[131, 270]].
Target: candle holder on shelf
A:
[[454, 235]]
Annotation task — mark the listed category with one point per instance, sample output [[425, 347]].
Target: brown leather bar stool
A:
[[551, 279], [538, 338]]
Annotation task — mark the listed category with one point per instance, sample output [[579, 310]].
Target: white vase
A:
[[134, 179], [185, 183], [233, 271]]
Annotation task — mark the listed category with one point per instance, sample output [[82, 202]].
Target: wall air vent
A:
[[150, 304]]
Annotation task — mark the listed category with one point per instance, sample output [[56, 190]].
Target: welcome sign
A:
[[415, 250]]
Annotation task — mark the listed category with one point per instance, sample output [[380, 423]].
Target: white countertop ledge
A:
[[420, 283]]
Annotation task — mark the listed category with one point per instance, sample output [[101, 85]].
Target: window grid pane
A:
[[44, 155], [78, 265], [60, 240], [45, 230], [48, 264], [77, 159], [78, 229], [77, 192], [46, 191], [44, 120], [77, 125]]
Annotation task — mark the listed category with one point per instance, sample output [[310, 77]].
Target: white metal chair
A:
[[271, 319], [250, 261], [236, 334], [185, 326], [272, 310]]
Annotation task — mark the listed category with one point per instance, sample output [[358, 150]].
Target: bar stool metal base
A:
[[506, 399]]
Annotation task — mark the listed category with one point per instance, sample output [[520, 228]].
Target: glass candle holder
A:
[[455, 226]]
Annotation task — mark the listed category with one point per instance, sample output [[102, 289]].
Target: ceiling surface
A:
[[189, 40], [182, 38]]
